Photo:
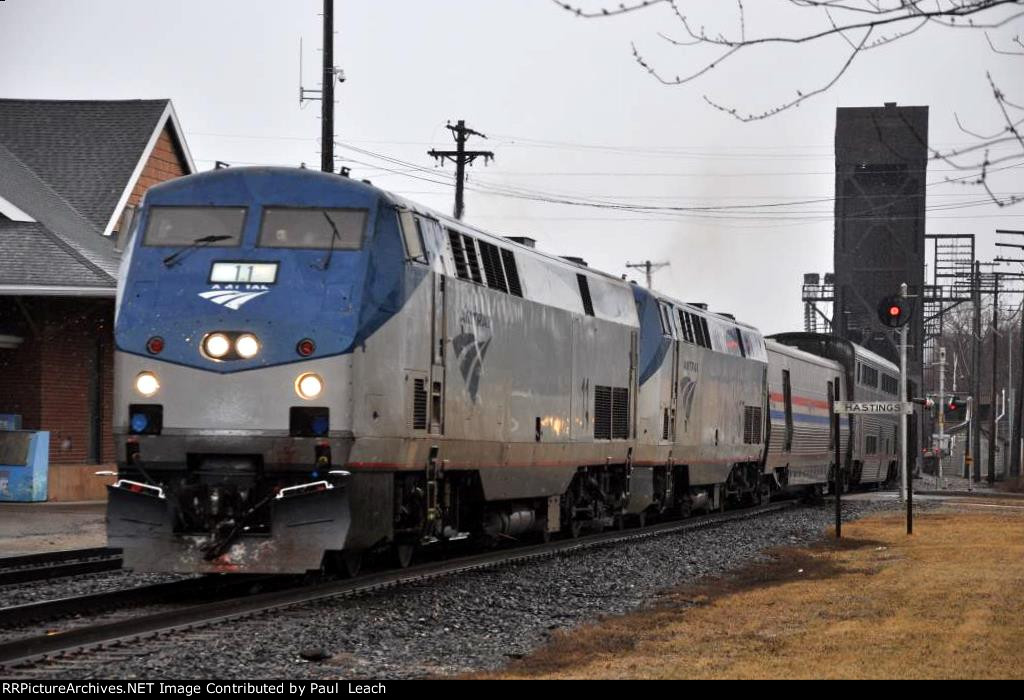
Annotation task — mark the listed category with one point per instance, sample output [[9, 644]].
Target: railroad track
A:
[[47, 565], [170, 591], [22, 656]]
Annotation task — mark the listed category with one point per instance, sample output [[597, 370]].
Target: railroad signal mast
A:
[[894, 311]]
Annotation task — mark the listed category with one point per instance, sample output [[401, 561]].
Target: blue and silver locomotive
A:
[[309, 368]]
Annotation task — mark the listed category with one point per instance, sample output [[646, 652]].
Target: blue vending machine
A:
[[24, 462]]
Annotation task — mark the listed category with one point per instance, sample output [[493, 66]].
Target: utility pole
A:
[[327, 96], [649, 268], [461, 157], [1016, 447], [974, 468], [942, 413], [995, 380]]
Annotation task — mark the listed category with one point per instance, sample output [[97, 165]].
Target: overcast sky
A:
[[568, 113]]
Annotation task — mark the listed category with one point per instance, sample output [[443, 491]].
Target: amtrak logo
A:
[[687, 388], [471, 347], [231, 297]]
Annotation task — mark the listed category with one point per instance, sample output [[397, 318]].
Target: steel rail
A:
[[70, 562], [24, 652], [105, 601]]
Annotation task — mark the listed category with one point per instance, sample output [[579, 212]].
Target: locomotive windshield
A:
[[183, 226], [327, 229]]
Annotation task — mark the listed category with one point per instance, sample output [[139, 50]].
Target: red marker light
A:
[[306, 347], [155, 345], [894, 311]]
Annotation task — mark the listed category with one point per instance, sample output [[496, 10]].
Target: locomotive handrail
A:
[[122, 483], [301, 488]]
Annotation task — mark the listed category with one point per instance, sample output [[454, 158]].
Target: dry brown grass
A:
[[945, 603]]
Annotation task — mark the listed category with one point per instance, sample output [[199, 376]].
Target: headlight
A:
[[216, 345], [247, 346], [147, 384], [309, 385]]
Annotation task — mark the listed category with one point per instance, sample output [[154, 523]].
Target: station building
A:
[[71, 176]]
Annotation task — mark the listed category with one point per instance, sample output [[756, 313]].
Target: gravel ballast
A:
[[471, 622]]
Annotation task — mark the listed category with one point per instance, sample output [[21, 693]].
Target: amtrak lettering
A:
[[470, 347], [232, 296]]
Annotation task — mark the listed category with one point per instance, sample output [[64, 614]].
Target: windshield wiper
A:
[[178, 254], [335, 236]]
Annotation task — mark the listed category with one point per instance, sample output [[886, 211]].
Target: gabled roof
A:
[[70, 166], [36, 260], [36, 198]]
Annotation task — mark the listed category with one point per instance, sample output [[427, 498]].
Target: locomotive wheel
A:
[[403, 554], [351, 563]]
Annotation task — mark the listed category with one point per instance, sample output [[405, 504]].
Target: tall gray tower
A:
[[881, 166]]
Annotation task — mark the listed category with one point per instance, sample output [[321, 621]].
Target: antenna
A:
[[306, 94]]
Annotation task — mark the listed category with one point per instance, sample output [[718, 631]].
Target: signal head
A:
[[894, 311]]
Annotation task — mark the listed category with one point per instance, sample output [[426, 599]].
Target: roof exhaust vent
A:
[[523, 240], [575, 259]]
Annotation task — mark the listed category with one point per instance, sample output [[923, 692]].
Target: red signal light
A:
[[155, 345], [306, 347], [894, 311]]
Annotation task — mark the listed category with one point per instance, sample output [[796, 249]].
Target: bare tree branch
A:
[[877, 23]]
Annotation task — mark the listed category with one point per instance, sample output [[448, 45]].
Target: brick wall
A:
[[165, 163], [19, 369], [49, 378]]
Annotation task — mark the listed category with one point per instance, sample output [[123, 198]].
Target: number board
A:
[[244, 272]]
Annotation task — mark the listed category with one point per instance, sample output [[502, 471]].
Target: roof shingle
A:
[[84, 150]]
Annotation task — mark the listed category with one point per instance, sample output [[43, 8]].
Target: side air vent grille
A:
[[458, 254], [752, 425], [602, 412], [419, 404], [492, 266], [620, 413], [512, 272]]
